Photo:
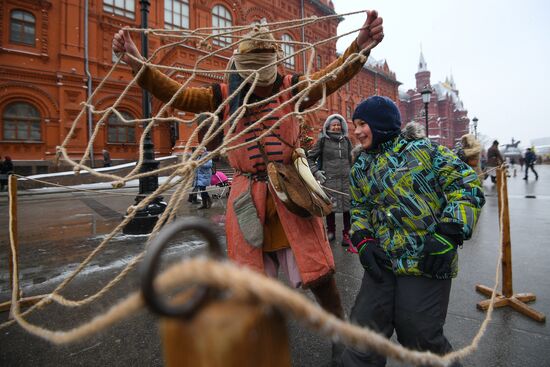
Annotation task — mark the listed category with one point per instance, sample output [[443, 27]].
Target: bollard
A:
[[203, 327], [227, 333]]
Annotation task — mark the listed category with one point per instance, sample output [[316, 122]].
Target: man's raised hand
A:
[[123, 43], [372, 30]]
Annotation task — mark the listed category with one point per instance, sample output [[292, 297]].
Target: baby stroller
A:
[[220, 180]]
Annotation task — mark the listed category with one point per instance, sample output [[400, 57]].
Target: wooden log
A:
[[526, 297], [499, 302], [522, 308], [227, 333], [486, 290]]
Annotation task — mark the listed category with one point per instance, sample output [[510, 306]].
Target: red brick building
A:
[[447, 118], [51, 49]]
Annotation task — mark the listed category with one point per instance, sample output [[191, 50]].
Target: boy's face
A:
[[363, 133]]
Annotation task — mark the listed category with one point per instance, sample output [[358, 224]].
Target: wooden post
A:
[[507, 297], [12, 194], [504, 220], [228, 333]]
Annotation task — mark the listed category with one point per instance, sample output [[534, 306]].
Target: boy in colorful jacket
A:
[[413, 203]]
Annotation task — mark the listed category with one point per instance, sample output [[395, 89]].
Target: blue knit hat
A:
[[382, 116]]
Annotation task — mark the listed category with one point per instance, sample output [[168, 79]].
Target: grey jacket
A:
[[335, 161]]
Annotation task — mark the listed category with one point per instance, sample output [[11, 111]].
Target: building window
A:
[[221, 18], [124, 8], [348, 111], [119, 131], [288, 49], [21, 122], [22, 27], [176, 14], [319, 62]]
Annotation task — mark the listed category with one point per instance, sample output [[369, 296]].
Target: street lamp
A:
[[145, 219], [426, 95], [475, 120]]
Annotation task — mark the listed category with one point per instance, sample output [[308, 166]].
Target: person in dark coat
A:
[[330, 163], [106, 158], [6, 168], [494, 159], [530, 159]]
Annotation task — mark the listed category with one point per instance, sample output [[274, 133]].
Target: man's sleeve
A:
[[342, 77], [194, 100], [462, 189], [360, 208]]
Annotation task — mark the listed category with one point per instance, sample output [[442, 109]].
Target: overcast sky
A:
[[498, 52]]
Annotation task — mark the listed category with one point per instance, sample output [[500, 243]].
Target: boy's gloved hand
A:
[[440, 249], [371, 255]]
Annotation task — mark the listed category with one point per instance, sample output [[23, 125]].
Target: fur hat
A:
[[259, 38], [382, 116], [468, 147]]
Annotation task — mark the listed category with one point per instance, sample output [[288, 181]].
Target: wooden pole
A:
[[14, 238], [12, 195], [507, 297], [504, 222], [227, 333]]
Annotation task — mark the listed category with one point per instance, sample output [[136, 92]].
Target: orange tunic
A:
[[306, 236]]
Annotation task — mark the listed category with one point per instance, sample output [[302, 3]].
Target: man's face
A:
[[363, 133], [335, 126]]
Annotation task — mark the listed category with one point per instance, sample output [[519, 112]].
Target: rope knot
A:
[[118, 184], [131, 209]]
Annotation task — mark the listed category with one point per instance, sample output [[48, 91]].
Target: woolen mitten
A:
[[249, 222]]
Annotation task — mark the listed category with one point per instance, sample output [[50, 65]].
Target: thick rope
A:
[[245, 283], [162, 188], [328, 325]]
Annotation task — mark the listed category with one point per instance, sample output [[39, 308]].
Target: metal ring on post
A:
[[151, 261]]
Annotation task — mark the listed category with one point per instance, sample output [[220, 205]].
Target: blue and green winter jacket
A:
[[404, 188]]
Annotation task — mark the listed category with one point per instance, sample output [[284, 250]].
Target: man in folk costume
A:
[[298, 245]]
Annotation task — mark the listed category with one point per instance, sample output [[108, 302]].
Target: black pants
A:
[[204, 193], [331, 222], [415, 307], [532, 166]]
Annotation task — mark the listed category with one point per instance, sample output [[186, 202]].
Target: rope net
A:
[[180, 179]]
